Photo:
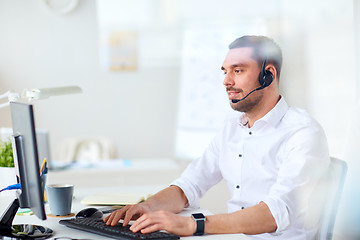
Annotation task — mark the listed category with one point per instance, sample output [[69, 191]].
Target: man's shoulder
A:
[[299, 117]]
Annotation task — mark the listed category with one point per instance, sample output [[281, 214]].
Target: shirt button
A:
[[240, 155], [250, 133], [237, 186]]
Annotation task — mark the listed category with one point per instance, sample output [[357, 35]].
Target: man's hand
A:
[[171, 200], [163, 220], [127, 213]]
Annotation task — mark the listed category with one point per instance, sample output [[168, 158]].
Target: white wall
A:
[[138, 110], [42, 49], [320, 51]]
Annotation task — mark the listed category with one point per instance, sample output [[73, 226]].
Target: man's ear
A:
[[272, 69]]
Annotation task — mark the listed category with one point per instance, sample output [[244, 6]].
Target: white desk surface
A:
[[79, 193]]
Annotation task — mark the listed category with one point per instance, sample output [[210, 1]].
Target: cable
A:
[[12, 187]]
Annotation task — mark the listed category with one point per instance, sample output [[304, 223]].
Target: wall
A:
[[41, 49], [319, 45], [138, 110]]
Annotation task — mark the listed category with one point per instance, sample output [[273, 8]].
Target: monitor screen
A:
[[26, 158]]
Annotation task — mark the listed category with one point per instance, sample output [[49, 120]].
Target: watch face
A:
[[198, 215]]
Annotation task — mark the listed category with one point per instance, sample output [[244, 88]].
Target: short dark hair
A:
[[263, 47]]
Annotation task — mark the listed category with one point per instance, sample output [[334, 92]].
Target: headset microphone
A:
[[265, 79], [238, 100]]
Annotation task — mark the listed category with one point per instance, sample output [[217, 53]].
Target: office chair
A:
[[334, 183], [88, 149]]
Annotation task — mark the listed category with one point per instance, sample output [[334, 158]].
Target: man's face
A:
[[241, 77]]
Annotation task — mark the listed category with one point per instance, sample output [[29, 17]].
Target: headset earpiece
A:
[[265, 77]]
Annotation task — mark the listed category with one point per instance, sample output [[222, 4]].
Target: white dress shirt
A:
[[279, 161]]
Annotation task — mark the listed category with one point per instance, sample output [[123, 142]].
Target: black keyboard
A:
[[98, 226]]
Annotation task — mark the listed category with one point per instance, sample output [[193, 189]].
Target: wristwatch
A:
[[200, 223]]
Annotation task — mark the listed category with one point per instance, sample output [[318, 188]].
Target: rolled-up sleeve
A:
[[200, 175], [304, 161]]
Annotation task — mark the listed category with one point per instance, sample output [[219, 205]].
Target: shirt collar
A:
[[272, 117]]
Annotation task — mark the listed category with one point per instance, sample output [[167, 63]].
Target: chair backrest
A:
[[334, 180], [87, 149]]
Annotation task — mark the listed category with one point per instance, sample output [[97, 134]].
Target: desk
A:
[[79, 193], [135, 176]]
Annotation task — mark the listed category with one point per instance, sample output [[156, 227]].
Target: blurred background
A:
[[149, 104], [150, 69]]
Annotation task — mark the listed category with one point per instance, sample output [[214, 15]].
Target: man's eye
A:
[[237, 71]]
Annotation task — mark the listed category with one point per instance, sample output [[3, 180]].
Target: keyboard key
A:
[[98, 226]]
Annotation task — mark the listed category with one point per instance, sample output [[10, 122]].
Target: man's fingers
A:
[[144, 222], [127, 213], [115, 216], [151, 228], [133, 212]]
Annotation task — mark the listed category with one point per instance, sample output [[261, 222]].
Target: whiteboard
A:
[[203, 102]]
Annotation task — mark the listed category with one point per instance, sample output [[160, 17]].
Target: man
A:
[[271, 157]]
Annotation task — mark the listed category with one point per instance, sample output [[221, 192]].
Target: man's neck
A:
[[261, 110]]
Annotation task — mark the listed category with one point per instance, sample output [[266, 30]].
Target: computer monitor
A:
[[28, 174]]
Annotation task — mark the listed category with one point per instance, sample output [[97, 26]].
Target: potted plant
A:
[[7, 169], [6, 155]]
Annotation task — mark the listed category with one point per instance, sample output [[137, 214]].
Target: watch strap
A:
[[200, 223]]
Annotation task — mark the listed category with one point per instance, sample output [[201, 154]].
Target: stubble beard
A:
[[249, 103]]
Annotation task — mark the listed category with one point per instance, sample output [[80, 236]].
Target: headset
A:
[[265, 76], [265, 79]]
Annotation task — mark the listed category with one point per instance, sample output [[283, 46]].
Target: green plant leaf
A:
[[6, 154]]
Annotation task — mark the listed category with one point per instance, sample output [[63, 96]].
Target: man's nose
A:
[[228, 80]]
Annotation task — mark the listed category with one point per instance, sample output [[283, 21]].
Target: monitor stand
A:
[[21, 231]]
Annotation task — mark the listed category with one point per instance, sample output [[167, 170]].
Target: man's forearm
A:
[[170, 199], [253, 220]]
